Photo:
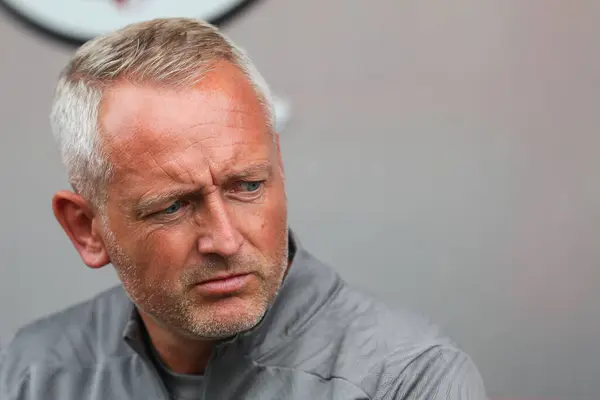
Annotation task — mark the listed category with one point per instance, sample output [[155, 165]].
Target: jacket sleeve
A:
[[13, 377], [439, 373], [4, 374]]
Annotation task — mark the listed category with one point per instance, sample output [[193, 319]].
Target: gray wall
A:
[[441, 156]]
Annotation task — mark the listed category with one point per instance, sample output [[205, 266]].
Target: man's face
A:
[[196, 212]]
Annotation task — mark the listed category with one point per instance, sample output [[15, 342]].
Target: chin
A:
[[227, 317]]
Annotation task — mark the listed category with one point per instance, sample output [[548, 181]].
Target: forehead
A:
[[218, 122]]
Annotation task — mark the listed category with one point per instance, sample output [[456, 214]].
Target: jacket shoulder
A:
[[70, 336], [395, 353], [386, 352]]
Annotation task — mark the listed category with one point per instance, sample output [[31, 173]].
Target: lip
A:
[[223, 285]]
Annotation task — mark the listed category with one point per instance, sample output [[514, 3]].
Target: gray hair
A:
[[176, 52]]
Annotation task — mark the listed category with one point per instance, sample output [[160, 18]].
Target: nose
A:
[[221, 236]]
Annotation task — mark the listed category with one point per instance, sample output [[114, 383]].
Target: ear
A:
[[82, 226]]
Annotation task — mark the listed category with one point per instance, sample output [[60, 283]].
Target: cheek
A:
[[164, 252], [264, 225]]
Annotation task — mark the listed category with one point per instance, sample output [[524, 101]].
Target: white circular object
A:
[[81, 20]]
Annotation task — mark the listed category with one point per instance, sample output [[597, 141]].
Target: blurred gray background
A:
[[441, 155]]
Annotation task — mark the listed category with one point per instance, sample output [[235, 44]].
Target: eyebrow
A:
[[248, 171], [147, 204]]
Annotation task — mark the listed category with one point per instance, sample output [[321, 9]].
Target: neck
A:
[[180, 354]]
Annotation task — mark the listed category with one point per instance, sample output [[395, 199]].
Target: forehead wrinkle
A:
[[135, 147], [233, 113], [165, 168], [196, 173], [181, 166], [156, 170]]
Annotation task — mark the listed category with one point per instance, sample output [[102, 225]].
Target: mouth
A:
[[223, 285]]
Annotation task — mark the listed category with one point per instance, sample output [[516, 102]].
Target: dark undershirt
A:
[[179, 386]]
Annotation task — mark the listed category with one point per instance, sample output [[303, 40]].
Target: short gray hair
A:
[[175, 52]]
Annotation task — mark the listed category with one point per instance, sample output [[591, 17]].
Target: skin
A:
[[197, 192]]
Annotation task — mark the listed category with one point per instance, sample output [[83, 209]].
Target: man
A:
[[166, 130]]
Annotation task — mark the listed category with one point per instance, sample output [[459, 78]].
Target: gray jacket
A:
[[320, 340]]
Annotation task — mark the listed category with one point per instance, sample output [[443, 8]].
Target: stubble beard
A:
[[171, 305]]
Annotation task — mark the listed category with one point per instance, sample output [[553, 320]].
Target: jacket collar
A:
[[308, 286]]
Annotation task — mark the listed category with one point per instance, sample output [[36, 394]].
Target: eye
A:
[[250, 186], [173, 208]]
